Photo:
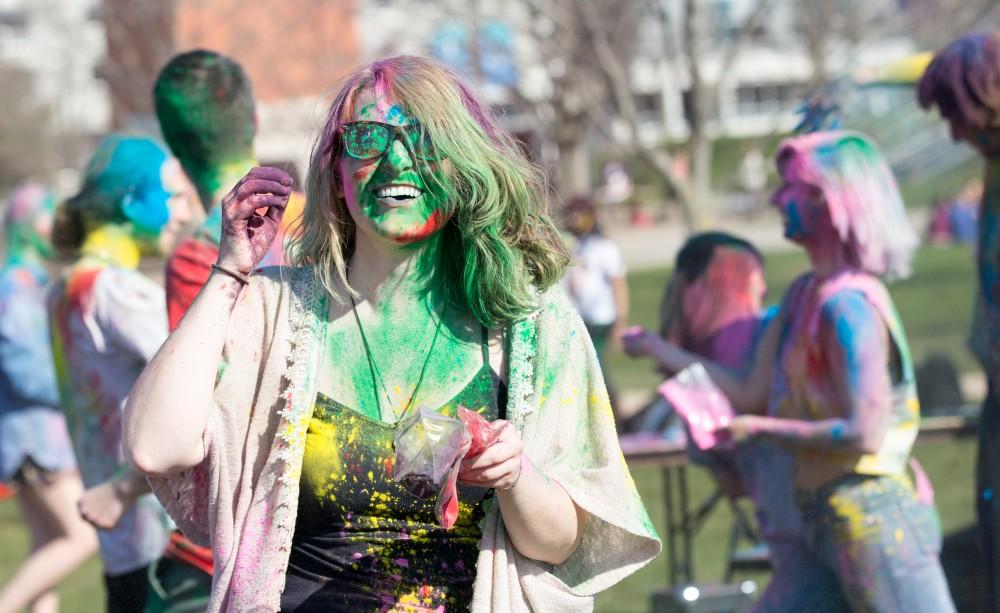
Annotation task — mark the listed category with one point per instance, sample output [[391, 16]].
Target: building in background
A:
[[94, 61], [55, 47], [60, 43], [295, 51]]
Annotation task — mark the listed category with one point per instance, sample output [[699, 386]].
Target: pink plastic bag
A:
[[429, 451], [700, 403], [484, 433]]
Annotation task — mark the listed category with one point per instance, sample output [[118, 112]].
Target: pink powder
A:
[[700, 403]]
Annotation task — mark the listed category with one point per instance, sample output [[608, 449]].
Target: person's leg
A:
[[61, 541], [799, 582], [600, 336], [987, 501], [883, 546], [129, 592]]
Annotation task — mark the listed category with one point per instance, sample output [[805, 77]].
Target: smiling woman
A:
[[424, 282]]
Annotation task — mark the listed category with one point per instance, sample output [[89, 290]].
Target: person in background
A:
[[713, 307], [107, 320], [205, 106], [962, 82], [833, 379], [36, 455], [596, 283]]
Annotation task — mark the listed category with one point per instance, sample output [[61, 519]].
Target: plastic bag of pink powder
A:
[[484, 433], [429, 451], [700, 403]]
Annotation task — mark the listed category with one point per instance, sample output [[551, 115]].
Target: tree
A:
[[26, 144], [140, 35], [598, 40], [587, 51], [935, 23]]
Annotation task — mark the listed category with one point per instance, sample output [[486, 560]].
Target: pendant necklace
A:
[[377, 379]]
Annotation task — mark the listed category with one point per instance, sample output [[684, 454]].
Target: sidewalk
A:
[[656, 246]]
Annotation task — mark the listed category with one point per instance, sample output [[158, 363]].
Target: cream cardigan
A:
[[241, 500]]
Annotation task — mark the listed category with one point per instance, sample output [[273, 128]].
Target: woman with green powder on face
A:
[[425, 280]]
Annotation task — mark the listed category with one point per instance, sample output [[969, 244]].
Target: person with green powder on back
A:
[[205, 105]]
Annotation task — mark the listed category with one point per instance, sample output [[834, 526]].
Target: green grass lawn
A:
[[935, 305]]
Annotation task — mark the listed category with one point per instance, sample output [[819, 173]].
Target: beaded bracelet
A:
[[242, 278]]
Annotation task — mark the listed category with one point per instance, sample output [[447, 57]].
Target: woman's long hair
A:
[[500, 246], [861, 194]]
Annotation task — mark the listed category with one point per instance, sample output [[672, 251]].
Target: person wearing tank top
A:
[[424, 279], [832, 378]]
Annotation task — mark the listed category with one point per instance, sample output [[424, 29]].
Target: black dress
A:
[[364, 543]]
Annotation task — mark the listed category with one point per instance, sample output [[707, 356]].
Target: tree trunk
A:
[[574, 168]]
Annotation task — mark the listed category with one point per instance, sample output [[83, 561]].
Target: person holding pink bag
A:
[[832, 378], [713, 307]]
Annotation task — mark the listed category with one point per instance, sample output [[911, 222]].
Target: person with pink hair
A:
[[963, 82], [713, 307], [832, 378]]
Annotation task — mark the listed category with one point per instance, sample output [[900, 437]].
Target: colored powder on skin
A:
[[114, 245], [434, 223], [837, 433], [721, 307], [794, 228]]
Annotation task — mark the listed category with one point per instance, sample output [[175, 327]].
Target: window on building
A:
[[768, 98], [721, 19], [16, 20], [649, 106]]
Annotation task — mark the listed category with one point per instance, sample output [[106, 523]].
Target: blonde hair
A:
[[500, 246]]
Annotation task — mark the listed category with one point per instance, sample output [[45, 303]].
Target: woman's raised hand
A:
[[251, 213]]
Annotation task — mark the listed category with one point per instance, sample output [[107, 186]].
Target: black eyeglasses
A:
[[367, 140]]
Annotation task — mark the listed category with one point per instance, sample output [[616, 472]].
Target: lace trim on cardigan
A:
[[523, 340], [306, 325]]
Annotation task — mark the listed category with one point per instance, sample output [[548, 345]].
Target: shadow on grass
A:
[[960, 556]]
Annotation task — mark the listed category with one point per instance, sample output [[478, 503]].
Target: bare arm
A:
[[747, 394], [542, 520], [167, 412], [619, 289], [104, 505], [857, 350]]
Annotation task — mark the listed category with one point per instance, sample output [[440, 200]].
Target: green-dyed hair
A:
[[204, 102], [500, 245]]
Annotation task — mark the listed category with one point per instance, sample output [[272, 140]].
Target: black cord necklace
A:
[[377, 379]]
